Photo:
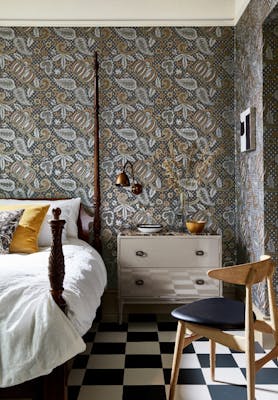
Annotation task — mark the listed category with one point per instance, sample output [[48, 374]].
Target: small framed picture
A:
[[248, 129]]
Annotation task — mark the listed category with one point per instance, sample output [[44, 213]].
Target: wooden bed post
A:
[[53, 386], [56, 266], [96, 199]]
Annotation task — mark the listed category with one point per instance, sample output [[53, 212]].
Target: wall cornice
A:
[[121, 13]]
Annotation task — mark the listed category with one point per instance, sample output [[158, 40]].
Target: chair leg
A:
[[212, 359], [250, 373], [179, 345], [249, 345]]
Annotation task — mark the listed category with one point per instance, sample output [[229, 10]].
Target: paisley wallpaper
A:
[[270, 102], [166, 105], [256, 171]]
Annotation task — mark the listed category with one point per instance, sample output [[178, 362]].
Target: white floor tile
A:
[[96, 392], [143, 376], [190, 392], [267, 392], [142, 348], [167, 336], [76, 377], [203, 347], [142, 327], [187, 361], [104, 361], [225, 376], [110, 337], [240, 359], [167, 360]]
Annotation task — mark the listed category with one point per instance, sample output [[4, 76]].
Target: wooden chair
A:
[[211, 318]]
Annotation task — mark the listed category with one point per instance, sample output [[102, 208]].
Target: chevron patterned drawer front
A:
[[171, 284]]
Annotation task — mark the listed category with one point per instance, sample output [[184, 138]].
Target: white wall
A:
[[119, 12]]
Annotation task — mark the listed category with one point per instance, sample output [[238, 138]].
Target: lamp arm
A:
[[122, 179], [128, 163]]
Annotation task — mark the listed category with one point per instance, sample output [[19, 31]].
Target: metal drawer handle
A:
[[199, 252], [199, 281], [141, 253], [139, 282]]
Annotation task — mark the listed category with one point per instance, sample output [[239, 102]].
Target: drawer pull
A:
[[139, 282], [199, 252], [199, 281], [141, 253]]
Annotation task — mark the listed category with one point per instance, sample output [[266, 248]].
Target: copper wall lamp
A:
[[123, 180]]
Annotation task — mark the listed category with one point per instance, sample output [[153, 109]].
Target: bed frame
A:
[[54, 385]]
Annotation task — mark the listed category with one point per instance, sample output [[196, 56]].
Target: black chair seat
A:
[[218, 312]]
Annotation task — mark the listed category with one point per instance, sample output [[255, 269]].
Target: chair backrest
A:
[[245, 274], [248, 275]]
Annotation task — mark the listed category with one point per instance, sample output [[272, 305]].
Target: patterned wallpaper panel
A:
[[256, 224], [270, 102], [166, 105]]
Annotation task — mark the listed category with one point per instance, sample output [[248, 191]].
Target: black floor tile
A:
[[142, 337], [112, 327], [80, 361], [222, 360], [104, 377], [168, 348], [144, 392], [188, 376], [142, 318], [265, 376], [89, 337], [73, 392], [167, 326], [143, 361], [228, 392], [108, 348]]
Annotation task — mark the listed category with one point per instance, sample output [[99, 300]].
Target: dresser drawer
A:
[[169, 252], [171, 284]]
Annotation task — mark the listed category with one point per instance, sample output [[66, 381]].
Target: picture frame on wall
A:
[[248, 129]]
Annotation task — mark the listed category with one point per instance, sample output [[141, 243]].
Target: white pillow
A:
[[45, 235], [69, 212], [73, 205]]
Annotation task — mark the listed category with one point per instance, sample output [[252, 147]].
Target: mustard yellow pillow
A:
[[25, 238]]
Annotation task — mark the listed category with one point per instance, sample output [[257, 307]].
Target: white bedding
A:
[[35, 335]]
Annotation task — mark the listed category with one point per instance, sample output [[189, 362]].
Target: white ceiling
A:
[[120, 12]]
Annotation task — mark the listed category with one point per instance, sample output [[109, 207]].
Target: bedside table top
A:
[[163, 232]]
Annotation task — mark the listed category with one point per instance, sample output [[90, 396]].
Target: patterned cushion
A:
[[9, 221]]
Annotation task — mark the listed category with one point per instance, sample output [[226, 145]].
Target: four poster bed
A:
[[40, 337]]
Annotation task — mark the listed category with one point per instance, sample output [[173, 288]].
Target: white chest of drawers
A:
[[166, 268]]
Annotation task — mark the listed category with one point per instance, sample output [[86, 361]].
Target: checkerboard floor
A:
[[133, 361]]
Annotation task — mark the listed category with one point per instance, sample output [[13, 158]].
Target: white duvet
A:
[[35, 335]]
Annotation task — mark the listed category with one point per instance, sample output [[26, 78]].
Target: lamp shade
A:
[[122, 179]]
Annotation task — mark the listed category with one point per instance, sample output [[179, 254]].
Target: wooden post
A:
[[97, 223], [56, 266]]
